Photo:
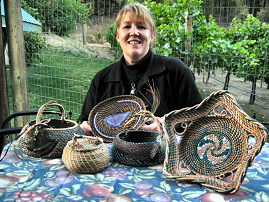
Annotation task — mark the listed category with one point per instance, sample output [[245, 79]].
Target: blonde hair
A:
[[141, 12]]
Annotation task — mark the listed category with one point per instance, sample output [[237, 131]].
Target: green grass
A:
[[63, 76]]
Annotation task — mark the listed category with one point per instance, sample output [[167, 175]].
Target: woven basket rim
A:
[[77, 148], [146, 131]]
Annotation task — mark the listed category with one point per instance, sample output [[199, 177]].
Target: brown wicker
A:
[[47, 137], [138, 148], [109, 117], [85, 154], [218, 140]]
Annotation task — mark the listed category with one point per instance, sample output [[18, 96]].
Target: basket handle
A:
[[50, 103], [143, 114]]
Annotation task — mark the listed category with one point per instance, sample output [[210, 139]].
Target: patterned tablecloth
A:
[[37, 179]]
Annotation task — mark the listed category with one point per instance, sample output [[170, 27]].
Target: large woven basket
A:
[[85, 154], [47, 138], [108, 118], [218, 141], [138, 148]]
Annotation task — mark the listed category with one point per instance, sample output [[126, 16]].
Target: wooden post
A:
[[188, 29], [4, 107], [16, 52], [84, 31]]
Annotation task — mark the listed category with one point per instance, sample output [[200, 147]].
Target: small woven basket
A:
[[109, 117], [138, 148], [85, 154]]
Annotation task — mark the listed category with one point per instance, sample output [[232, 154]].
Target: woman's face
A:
[[134, 37]]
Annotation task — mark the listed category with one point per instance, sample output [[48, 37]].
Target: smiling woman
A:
[[135, 30], [140, 69]]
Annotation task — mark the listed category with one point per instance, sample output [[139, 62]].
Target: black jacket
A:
[[173, 79]]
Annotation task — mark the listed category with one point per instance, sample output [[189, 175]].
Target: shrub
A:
[[111, 39], [34, 44]]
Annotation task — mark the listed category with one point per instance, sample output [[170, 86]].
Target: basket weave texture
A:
[[47, 138], [84, 154], [138, 148], [218, 140], [109, 117]]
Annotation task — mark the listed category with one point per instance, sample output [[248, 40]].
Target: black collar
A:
[[156, 66]]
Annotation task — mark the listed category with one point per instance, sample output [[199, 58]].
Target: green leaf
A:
[[4, 166], [262, 170], [32, 185], [177, 32], [265, 186], [158, 189], [147, 177], [65, 191], [147, 172], [76, 186], [261, 196], [57, 167], [127, 185], [49, 174], [247, 189], [195, 12], [100, 176], [125, 191], [251, 174], [165, 185], [75, 197], [178, 190], [166, 46]]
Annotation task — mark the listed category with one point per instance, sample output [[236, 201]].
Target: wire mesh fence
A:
[[64, 70]]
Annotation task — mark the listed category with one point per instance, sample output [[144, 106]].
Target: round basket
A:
[[212, 146], [109, 117], [84, 154], [138, 148]]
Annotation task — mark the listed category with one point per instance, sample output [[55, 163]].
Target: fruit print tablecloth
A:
[[37, 179]]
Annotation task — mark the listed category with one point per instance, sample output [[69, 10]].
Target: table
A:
[[37, 179]]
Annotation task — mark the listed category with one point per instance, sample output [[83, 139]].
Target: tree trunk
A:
[[253, 91], [4, 106], [208, 75], [106, 7], [95, 9], [227, 80], [16, 50]]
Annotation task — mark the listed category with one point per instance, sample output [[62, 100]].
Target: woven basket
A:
[[216, 142], [138, 148], [85, 154], [109, 117], [47, 138]]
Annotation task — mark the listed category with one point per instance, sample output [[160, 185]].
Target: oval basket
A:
[[109, 117], [84, 154], [138, 148]]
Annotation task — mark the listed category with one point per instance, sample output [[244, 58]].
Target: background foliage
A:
[[57, 15], [34, 45]]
